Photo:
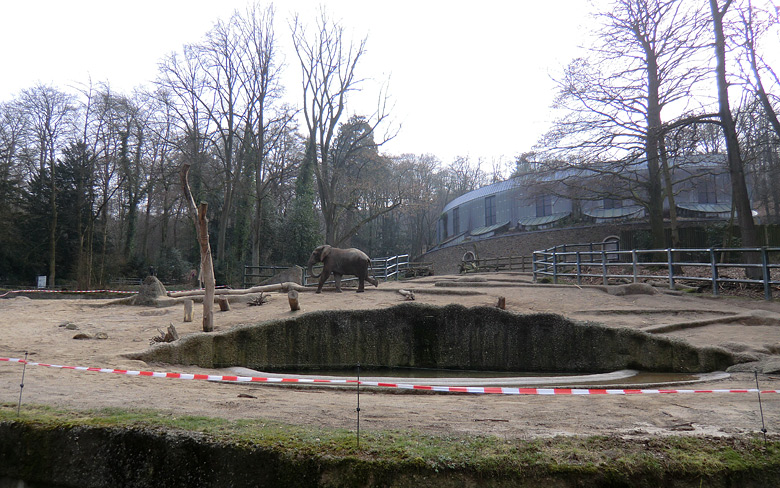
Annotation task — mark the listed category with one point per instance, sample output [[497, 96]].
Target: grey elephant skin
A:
[[340, 262]]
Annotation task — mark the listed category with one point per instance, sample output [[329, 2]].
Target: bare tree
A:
[[266, 127], [754, 25], [740, 196], [49, 111], [328, 63], [613, 102]]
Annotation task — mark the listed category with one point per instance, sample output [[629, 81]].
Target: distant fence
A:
[[385, 268], [254, 275], [471, 264], [121, 281], [713, 265]]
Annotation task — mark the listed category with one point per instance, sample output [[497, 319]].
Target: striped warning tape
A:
[[65, 291], [43, 290], [403, 386]]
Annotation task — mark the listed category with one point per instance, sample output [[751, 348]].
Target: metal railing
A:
[[760, 267], [390, 267], [255, 274], [122, 281], [504, 263], [386, 268]]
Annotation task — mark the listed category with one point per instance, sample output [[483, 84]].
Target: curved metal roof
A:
[[490, 228], [547, 219], [716, 208], [613, 213], [483, 192]]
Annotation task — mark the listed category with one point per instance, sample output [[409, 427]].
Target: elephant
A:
[[340, 262]]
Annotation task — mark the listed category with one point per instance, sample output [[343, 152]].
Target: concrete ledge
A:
[[451, 337]]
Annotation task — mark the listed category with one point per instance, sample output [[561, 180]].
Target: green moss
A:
[[609, 460]]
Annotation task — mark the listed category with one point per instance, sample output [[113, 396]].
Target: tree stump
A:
[[501, 303], [172, 334], [292, 296], [224, 304], [188, 310]]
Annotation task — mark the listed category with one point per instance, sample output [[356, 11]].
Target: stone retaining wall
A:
[[447, 259], [451, 337]]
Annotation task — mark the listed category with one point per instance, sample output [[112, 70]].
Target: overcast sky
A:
[[466, 78]]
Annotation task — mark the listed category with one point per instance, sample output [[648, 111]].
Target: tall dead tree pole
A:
[[198, 214]]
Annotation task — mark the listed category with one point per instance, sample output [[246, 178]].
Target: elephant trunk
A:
[[310, 268]]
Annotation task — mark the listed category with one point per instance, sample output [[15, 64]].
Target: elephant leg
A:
[[372, 281], [323, 278], [360, 284], [337, 276]]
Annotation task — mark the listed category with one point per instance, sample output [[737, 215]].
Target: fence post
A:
[[670, 267], [765, 269], [555, 266], [714, 267], [533, 265], [579, 270], [634, 265], [604, 266]]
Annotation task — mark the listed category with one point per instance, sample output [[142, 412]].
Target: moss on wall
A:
[[451, 337]]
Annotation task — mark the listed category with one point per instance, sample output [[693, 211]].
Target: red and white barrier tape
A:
[[65, 291], [402, 386], [43, 290]]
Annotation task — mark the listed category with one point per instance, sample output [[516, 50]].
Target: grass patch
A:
[[610, 459]]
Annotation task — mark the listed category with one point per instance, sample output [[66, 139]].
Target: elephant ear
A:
[[325, 251]]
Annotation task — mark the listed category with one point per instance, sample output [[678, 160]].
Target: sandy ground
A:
[[39, 327]]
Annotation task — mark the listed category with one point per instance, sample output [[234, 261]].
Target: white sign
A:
[[41, 282]]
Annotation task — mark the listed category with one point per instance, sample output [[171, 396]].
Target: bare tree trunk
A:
[[53, 230], [198, 214], [750, 50], [739, 192]]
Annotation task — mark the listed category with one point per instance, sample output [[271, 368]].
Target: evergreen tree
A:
[[302, 226]]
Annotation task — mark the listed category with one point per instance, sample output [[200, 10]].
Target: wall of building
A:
[[446, 260]]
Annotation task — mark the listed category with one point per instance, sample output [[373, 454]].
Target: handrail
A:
[[511, 263], [569, 264], [385, 268]]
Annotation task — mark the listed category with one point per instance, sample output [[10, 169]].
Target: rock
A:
[[101, 336], [762, 317], [736, 346], [772, 366], [70, 326], [150, 292], [292, 274], [82, 336], [630, 289]]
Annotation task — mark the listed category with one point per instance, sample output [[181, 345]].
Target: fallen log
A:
[[408, 295], [283, 287]]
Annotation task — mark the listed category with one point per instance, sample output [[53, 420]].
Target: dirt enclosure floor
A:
[[45, 328]]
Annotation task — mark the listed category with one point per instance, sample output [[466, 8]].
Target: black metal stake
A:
[[21, 386], [760, 408], [358, 406]]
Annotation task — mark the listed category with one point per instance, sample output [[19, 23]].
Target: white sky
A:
[[466, 78]]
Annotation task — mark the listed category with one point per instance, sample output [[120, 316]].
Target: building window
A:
[[707, 190], [543, 205], [610, 203], [443, 226], [455, 220], [490, 210]]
